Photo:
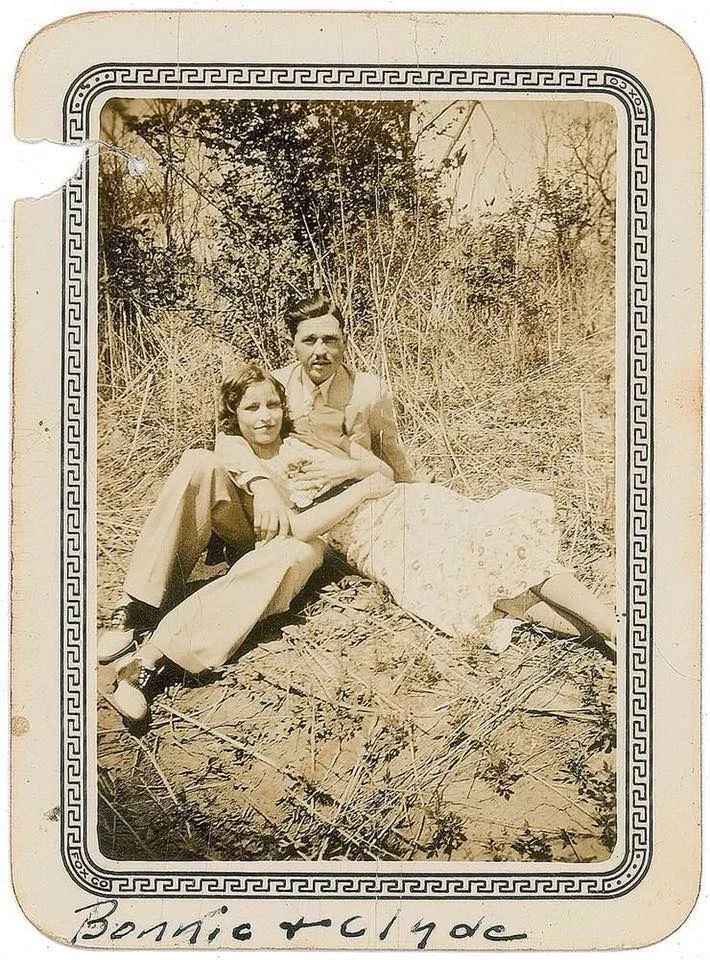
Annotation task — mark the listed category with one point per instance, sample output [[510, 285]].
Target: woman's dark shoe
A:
[[608, 647], [130, 624]]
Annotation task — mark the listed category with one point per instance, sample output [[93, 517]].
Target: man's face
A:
[[320, 345]]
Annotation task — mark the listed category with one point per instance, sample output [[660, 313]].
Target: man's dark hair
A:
[[315, 306]]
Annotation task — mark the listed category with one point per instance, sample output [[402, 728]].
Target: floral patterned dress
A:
[[443, 557]]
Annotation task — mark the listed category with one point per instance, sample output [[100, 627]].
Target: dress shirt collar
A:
[[312, 389]]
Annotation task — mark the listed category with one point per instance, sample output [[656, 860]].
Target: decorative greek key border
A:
[[220, 79]]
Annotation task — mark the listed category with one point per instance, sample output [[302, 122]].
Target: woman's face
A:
[[260, 416]]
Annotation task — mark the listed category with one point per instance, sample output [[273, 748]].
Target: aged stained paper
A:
[[510, 226]]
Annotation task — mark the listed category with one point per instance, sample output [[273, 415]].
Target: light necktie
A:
[[321, 424]]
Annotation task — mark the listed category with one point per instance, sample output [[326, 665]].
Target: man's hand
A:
[[318, 476], [271, 515]]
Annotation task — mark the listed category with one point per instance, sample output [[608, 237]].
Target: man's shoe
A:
[[130, 624], [114, 644], [133, 691]]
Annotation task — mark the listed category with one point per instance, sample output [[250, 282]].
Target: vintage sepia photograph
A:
[[355, 480]]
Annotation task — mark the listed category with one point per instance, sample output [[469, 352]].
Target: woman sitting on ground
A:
[[454, 562]]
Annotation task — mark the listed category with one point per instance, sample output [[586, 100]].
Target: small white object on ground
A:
[[501, 634]]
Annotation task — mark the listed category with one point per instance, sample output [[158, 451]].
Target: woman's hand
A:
[[271, 514], [377, 486]]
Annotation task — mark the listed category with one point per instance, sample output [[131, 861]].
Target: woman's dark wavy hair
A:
[[233, 388]]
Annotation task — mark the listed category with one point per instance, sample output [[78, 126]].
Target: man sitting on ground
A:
[[225, 492]]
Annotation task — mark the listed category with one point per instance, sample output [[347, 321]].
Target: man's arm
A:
[[369, 463], [385, 437], [271, 513], [331, 472]]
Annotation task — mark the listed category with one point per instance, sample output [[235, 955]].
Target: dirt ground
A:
[[345, 730]]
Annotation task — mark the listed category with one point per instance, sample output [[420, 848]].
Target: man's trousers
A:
[[198, 498], [204, 630]]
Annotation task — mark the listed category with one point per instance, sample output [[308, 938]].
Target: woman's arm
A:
[[249, 473], [321, 517]]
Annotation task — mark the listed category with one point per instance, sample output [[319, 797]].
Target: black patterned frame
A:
[[463, 880]]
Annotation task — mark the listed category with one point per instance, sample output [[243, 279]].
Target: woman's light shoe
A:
[[501, 634], [130, 623], [609, 647]]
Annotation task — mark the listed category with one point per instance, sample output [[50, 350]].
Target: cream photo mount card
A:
[[356, 483]]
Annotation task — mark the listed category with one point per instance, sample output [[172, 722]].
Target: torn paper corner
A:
[[45, 167]]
